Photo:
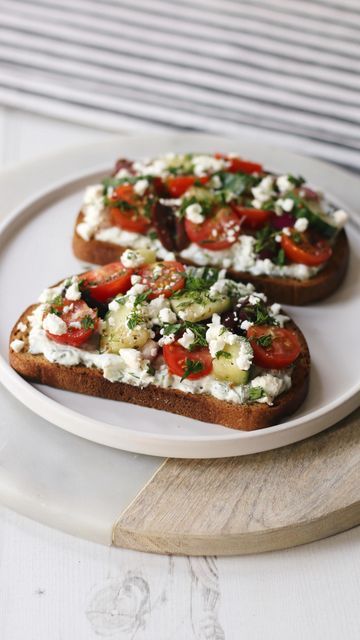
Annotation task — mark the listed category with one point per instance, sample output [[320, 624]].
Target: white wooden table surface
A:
[[56, 587]]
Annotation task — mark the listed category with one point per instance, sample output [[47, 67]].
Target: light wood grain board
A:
[[272, 500]]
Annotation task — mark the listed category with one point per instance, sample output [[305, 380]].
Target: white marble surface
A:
[[56, 586]]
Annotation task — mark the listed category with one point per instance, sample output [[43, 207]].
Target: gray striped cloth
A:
[[286, 71]]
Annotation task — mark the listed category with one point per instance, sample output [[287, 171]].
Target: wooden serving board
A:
[[262, 502]]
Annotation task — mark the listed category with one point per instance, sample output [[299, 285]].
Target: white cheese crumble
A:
[[284, 204], [246, 354], [284, 184], [340, 218], [132, 259], [140, 187], [207, 164], [264, 190], [73, 292], [55, 325], [17, 345], [301, 224], [271, 385], [21, 326], [187, 339], [194, 213], [166, 315]]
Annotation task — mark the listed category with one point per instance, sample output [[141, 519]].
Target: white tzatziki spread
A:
[[145, 365]]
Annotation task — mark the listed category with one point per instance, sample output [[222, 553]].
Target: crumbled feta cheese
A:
[[285, 204], [274, 309], [284, 184], [257, 204], [135, 279], [255, 298], [264, 190], [131, 357], [55, 325], [207, 164], [92, 193], [301, 224], [76, 324], [216, 182], [194, 213], [246, 324], [21, 326], [17, 345], [287, 231], [187, 339], [73, 292], [166, 315], [278, 238], [166, 339], [113, 305], [140, 187], [85, 231], [149, 350], [122, 173], [220, 286], [340, 218], [132, 259], [155, 306], [246, 354], [270, 384], [68, 307]]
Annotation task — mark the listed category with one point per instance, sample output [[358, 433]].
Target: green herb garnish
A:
[[87, 322], [134, 319], [265, 341], [255, 393], [222, 354], [191, 366]]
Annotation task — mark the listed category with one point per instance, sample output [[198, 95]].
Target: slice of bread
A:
[[283, 290], [80, 379]]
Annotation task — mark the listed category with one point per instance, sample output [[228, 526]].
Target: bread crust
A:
[[80, 379], [283, 290]]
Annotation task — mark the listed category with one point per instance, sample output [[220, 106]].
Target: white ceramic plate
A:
[[35, 251]]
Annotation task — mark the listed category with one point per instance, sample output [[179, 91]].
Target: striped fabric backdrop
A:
[[287, 70]]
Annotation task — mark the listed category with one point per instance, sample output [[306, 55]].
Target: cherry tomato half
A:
[[80, 319], [298, 248], [129, 211], [217, 232], [163, 278], [252, 218], [274, 347], [106, 282], [177, 185], [237, 165], [176, 357]]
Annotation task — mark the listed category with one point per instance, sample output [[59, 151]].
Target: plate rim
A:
[[157, 444]]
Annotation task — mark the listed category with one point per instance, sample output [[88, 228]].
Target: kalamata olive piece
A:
[[266, 253], [285, 220], [123, 163], [165, 224]]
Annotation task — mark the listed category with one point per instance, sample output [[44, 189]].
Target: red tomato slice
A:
[[274, 348], [79, 313], [252, 218], [237, 165], [177, 185], [305, 252], [129, 210], [106, 282], [218, 232], [163, 278], [176, 357]]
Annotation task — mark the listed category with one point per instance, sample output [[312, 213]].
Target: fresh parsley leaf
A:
[[222, 354], [140, 298], [150, 370], [134, 319], [199, 331], [120, 204], [297, 181], [237, 183], [265, 341], [171, 328], [152, 235], [191, 366], [280, 260], [87, 322], [255, 393]]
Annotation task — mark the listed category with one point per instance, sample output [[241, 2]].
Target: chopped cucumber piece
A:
[[225, 367], [199, 307], [117, 335]]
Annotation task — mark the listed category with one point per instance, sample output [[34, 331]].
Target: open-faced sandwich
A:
[[159, 334], [219, 211]]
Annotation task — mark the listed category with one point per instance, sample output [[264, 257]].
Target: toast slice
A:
[[219, 211], [206, 408], [285, 290], [205, 328]]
